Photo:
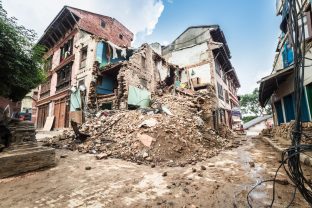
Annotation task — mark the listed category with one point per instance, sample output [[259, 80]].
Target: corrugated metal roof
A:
[[256, 121]]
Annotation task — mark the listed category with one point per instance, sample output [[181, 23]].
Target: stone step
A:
[[29, 159], [23, 149]]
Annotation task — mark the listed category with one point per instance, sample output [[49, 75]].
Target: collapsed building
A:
[[204, 54], [142, 114], [129, 84], [130, 103]]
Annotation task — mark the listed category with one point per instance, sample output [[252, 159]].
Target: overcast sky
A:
[[250, 26]]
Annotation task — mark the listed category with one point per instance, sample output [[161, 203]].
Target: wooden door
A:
[[61, 113], [43, 112], [56, 114]]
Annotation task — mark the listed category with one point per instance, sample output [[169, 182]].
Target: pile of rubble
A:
[[285, 131], [176, 130]]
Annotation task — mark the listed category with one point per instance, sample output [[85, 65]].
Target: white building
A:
[[204, 53]]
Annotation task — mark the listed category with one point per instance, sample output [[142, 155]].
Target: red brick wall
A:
[[14, 106], [91, 23]]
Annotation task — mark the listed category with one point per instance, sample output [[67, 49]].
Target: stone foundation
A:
[[285, 131]]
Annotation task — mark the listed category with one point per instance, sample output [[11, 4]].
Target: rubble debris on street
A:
[[150, 136], [285, 131]]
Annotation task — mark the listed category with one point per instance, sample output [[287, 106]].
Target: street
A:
[[116, 183]]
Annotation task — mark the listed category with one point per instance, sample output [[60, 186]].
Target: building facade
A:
[[277, 89], [204, 54], [73, 41]]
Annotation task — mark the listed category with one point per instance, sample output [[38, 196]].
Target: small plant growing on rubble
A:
[[20, 60]]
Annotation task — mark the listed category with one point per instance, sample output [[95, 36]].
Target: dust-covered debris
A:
[[151, 136]]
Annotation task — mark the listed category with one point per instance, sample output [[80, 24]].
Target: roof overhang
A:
[[218, 36], [64, 21], [269, 84]]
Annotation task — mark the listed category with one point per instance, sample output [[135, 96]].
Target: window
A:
[[64, 77], [45, 88], [220, 91], [103, 24], [83, 57], [66, 50], [218, 68], [224, 78], [227, 99], [48, 63], [81, 82], [121, 36], [307, 25], [287, 54]]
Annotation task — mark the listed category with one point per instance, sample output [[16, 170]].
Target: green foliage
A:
[[248, 118], [20, 61], [250, 105]]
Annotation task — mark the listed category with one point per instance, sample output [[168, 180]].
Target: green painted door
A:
[[309, 95]]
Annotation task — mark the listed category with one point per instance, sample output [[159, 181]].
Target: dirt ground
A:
[[116, 183]]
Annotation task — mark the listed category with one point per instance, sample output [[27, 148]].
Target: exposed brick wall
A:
[[141, 72]]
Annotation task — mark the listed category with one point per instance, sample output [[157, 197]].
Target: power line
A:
[[291, 156]]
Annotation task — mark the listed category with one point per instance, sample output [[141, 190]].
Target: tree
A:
[[250, 105], [20, 59]]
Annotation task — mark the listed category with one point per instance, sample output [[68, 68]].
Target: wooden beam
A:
[[56, 36], [52, 38], [46, 42], [64, 27], [49, 43], [71, 25], [58, 33]]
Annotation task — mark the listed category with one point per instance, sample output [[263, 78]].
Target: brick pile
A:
[[153, 136]]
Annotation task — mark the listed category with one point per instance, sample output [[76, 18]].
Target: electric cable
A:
[[291, 156]]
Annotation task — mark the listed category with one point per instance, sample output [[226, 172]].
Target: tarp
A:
[[75, 101], [139, 97]]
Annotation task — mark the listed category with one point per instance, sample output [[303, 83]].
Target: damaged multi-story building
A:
[[203, 53], [277, 89], [129, 84], [75, 40]]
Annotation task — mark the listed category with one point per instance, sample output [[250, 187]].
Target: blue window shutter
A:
[[279, 112], [99, 52]]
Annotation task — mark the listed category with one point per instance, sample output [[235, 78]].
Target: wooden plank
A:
[[56, 114], [62, 114], [48, 124]]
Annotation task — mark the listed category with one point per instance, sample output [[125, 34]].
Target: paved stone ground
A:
[[115, 183]]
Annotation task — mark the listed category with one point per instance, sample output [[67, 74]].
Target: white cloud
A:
[[140, 16]]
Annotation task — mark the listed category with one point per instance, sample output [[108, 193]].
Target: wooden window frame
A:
[[48, 63], [102, 23], [64, 77], [220, 91], [83, 60], [69, 50]]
